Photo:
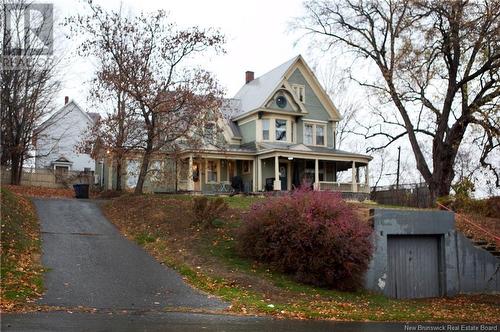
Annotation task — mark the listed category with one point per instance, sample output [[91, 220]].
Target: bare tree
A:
[[146, 57], [28, 79], [439, 66], [337, 87]]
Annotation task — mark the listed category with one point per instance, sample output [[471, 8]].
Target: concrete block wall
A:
[[466, 268]]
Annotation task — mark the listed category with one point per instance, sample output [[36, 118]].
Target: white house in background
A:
[[59, 136]]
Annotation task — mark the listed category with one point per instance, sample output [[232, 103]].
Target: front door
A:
[[283, 176]]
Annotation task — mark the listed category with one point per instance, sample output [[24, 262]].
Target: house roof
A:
[[54, 117], [255, 148], [305, 149], [94, 116], [229, 108], [253, 94]]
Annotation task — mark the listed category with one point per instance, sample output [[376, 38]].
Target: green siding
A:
[[300, 131], [329, 137], [223, 170], [312, 104], [267, 170], [248, 132]]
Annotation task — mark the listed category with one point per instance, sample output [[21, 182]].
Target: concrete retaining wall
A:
[[465, 268]]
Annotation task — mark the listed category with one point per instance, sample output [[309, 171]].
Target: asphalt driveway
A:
[[92, 265]]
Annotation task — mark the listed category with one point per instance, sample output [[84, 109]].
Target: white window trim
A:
[[314, 124], [299, 89], [272, 128], [269, 129], [287, 129], [217, 168]]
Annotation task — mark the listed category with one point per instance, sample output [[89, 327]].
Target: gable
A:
[[291, 105], [317, 103], [260, 91], [70, 110], [254, 94]]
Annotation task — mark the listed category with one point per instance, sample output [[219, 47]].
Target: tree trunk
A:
[[142, 173], [119, 174], [15, 169], [442, 178]]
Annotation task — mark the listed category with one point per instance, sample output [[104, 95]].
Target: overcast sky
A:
[[258, 39], [257, 32]]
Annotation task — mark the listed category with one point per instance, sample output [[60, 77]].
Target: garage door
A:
[[413, 266]]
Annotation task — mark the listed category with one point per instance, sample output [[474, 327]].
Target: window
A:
[[265, 129], [211, 171], [280, 130], [209, 129], [314, 134], [320, 135], [308, 137], [246, 167], [300, 92]]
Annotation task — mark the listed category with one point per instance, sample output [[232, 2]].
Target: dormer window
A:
[[300, 92]]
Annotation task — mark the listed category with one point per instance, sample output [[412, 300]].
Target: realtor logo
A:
[[28, 29]]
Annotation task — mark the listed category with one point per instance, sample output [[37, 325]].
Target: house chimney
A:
[[248, 76], [66, 100]]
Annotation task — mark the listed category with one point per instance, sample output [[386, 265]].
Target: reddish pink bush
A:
[[314, 236]]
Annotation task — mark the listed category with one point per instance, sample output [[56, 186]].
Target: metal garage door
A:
[[413, 266]]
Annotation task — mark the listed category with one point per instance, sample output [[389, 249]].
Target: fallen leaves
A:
[[20, 262], [254, 291], [31, 191]]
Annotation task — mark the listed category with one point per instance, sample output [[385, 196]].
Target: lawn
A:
[[21, 272], [207, 260]]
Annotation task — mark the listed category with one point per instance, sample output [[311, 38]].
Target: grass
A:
[[208, 261], [21, 272]]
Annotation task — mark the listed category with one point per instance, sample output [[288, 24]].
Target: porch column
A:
[[190, 185], [259, 174], [316, 174], [110, 175], [354, 184], [277, 182], [254, 176], [366, 175]]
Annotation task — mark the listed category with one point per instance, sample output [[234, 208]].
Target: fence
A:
[[412, 195], [44, 177]]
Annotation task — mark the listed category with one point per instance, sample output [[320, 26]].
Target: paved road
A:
[[92, 265], [173, 321]]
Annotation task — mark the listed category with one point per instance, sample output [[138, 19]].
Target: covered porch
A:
[[217, 174], [282, 171]]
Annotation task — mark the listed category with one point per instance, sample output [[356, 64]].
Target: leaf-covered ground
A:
[[31, 191], [207, 260], [21, 272]]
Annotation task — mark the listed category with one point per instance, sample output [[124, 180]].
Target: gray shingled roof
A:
[[253, 94], [304, 148]]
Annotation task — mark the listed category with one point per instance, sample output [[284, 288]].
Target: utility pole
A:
[[397, 173]]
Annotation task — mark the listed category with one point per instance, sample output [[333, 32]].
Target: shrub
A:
[[205, 210], [314, 236]]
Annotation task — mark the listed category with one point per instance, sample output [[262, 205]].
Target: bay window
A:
[[280, 130], [265, 129]]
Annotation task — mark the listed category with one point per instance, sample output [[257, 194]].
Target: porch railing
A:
[[343, 186]]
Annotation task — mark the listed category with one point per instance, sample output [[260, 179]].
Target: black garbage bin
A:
[[81, 190]]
